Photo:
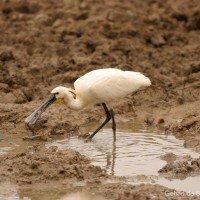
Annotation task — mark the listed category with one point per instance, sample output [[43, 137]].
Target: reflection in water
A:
[[134, 153], [113, 158], [83, 195], [110, 160], [9, 191]]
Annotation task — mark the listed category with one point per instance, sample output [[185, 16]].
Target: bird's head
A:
[[57, 96]]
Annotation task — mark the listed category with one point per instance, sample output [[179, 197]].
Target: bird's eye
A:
[[56, 93]]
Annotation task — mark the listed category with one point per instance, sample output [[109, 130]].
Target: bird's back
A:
[[105, 85]]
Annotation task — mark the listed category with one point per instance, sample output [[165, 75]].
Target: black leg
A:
[[108, 117], [113, 124]]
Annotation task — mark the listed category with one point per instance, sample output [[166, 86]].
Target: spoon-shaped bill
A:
[[32, 118]]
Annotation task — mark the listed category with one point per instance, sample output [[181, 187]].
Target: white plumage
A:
[[106, 85], [98, 86]]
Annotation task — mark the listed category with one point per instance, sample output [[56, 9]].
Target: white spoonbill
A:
[[100, 86]]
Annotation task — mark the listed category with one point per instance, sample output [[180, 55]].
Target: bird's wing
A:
[[116, 85]]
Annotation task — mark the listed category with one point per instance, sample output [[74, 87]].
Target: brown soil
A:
[[143, 191], [43, 166], [182, 166], [44, 44]]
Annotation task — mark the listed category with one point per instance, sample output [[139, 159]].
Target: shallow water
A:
[[135, 155], [10, 191]]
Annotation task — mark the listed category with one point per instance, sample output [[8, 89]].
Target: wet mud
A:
[[44, 44], [143, 191], [180, 166], [45, 165]]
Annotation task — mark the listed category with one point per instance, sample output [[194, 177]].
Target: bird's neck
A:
[[73, 100]]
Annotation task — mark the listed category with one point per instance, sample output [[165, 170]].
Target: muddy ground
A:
[[44, 44]]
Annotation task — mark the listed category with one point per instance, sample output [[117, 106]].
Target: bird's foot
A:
[[88, 139]]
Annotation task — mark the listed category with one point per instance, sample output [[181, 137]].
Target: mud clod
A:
[[181, 167], [44, 165]]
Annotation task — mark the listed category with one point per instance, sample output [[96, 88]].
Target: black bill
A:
[[31, 119]]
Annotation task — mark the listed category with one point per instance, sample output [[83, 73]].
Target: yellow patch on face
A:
[[59, 100]]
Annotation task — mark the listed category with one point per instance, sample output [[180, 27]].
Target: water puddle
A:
[[9, 191], [135, 155], [14, 144]]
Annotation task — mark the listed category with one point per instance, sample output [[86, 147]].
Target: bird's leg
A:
[[108, 117], [113, 124]]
